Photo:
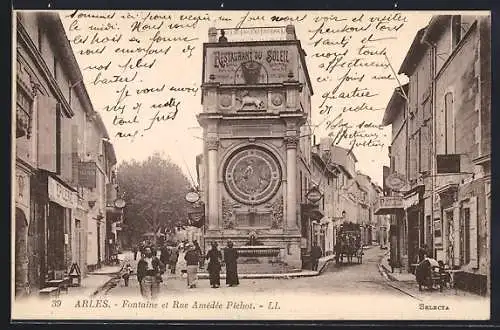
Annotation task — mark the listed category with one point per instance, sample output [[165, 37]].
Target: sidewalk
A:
[[398, 275], [94, 281]]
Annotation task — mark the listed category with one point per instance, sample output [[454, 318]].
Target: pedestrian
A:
[[200, 253], [192, 260], [214, 257], [422, 252], [174, 255], [316, 253], [230, 258], [134, 251], [164, 254], [338, 251], [149, 271], [127, 271]]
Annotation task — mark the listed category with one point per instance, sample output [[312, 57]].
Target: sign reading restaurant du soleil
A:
[[232, 65]]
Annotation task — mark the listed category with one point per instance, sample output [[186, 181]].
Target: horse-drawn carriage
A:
[[349, 243]]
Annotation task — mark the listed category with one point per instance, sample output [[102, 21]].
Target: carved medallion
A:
[[277, 100], [252, 176], [225, 101]]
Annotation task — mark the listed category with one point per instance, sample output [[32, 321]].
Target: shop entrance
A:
[[413, 237], [21, 253], [55, 238]]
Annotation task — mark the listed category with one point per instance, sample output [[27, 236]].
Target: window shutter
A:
[[456, 235], [46, 118], [66, 149], [424, 148], [474, 255], [74, 150]]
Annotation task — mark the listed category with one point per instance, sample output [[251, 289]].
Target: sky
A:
[[181, 67]]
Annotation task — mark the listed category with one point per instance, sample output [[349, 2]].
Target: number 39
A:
[[56, 303]]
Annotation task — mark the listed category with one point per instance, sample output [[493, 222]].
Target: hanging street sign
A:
[[314, 195], [192, 197], [120, 203], [395, 181]]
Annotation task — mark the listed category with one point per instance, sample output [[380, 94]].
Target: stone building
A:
[[256, 102], [440, 153], [395, 176], [461, 48], [323, 177], [54, 120]]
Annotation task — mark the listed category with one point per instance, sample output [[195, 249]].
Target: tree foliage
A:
[[154, 191]]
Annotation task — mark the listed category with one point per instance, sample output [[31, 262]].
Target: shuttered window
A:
[[473, 233], [74, 152], [47, 142], [425, 146], [456, 236], [449, 124], [66, 149]]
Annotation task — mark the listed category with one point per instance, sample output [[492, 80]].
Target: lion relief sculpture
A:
[[247, 100]]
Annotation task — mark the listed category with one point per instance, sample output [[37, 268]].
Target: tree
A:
[[154, 191]]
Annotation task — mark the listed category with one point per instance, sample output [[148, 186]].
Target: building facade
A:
[[53, 115], [256, 100], [323, 177], [440, 153]]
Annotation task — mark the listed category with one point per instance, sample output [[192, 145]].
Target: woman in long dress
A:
[[214, 257], [230, 258]]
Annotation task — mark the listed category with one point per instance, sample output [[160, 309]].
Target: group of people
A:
[[151, 268], [427, 266]]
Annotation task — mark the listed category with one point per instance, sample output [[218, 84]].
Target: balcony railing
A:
[[268, 33], [388, 205]]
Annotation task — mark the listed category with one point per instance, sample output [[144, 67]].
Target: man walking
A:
[[200, 253], [214, 257], [149, 271], [316, 253], [230, 259], [174, 255], [192, 258]]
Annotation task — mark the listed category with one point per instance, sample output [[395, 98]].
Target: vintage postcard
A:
[[251, 165]]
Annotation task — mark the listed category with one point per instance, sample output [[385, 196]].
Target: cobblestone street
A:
[[354, 279]]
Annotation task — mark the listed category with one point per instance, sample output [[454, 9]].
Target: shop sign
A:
[[410, 200], [87, 174], [251, 65], [395, 181], [61, 195]]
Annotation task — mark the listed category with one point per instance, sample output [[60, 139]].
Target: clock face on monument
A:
[[252, 175]]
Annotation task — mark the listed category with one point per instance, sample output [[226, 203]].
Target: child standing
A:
[[126, 274]]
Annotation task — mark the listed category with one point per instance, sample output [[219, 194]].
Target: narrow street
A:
[[354, 279]]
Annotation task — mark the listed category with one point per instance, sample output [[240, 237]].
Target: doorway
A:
[[79, 244], [98, 244], [21, 253]]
